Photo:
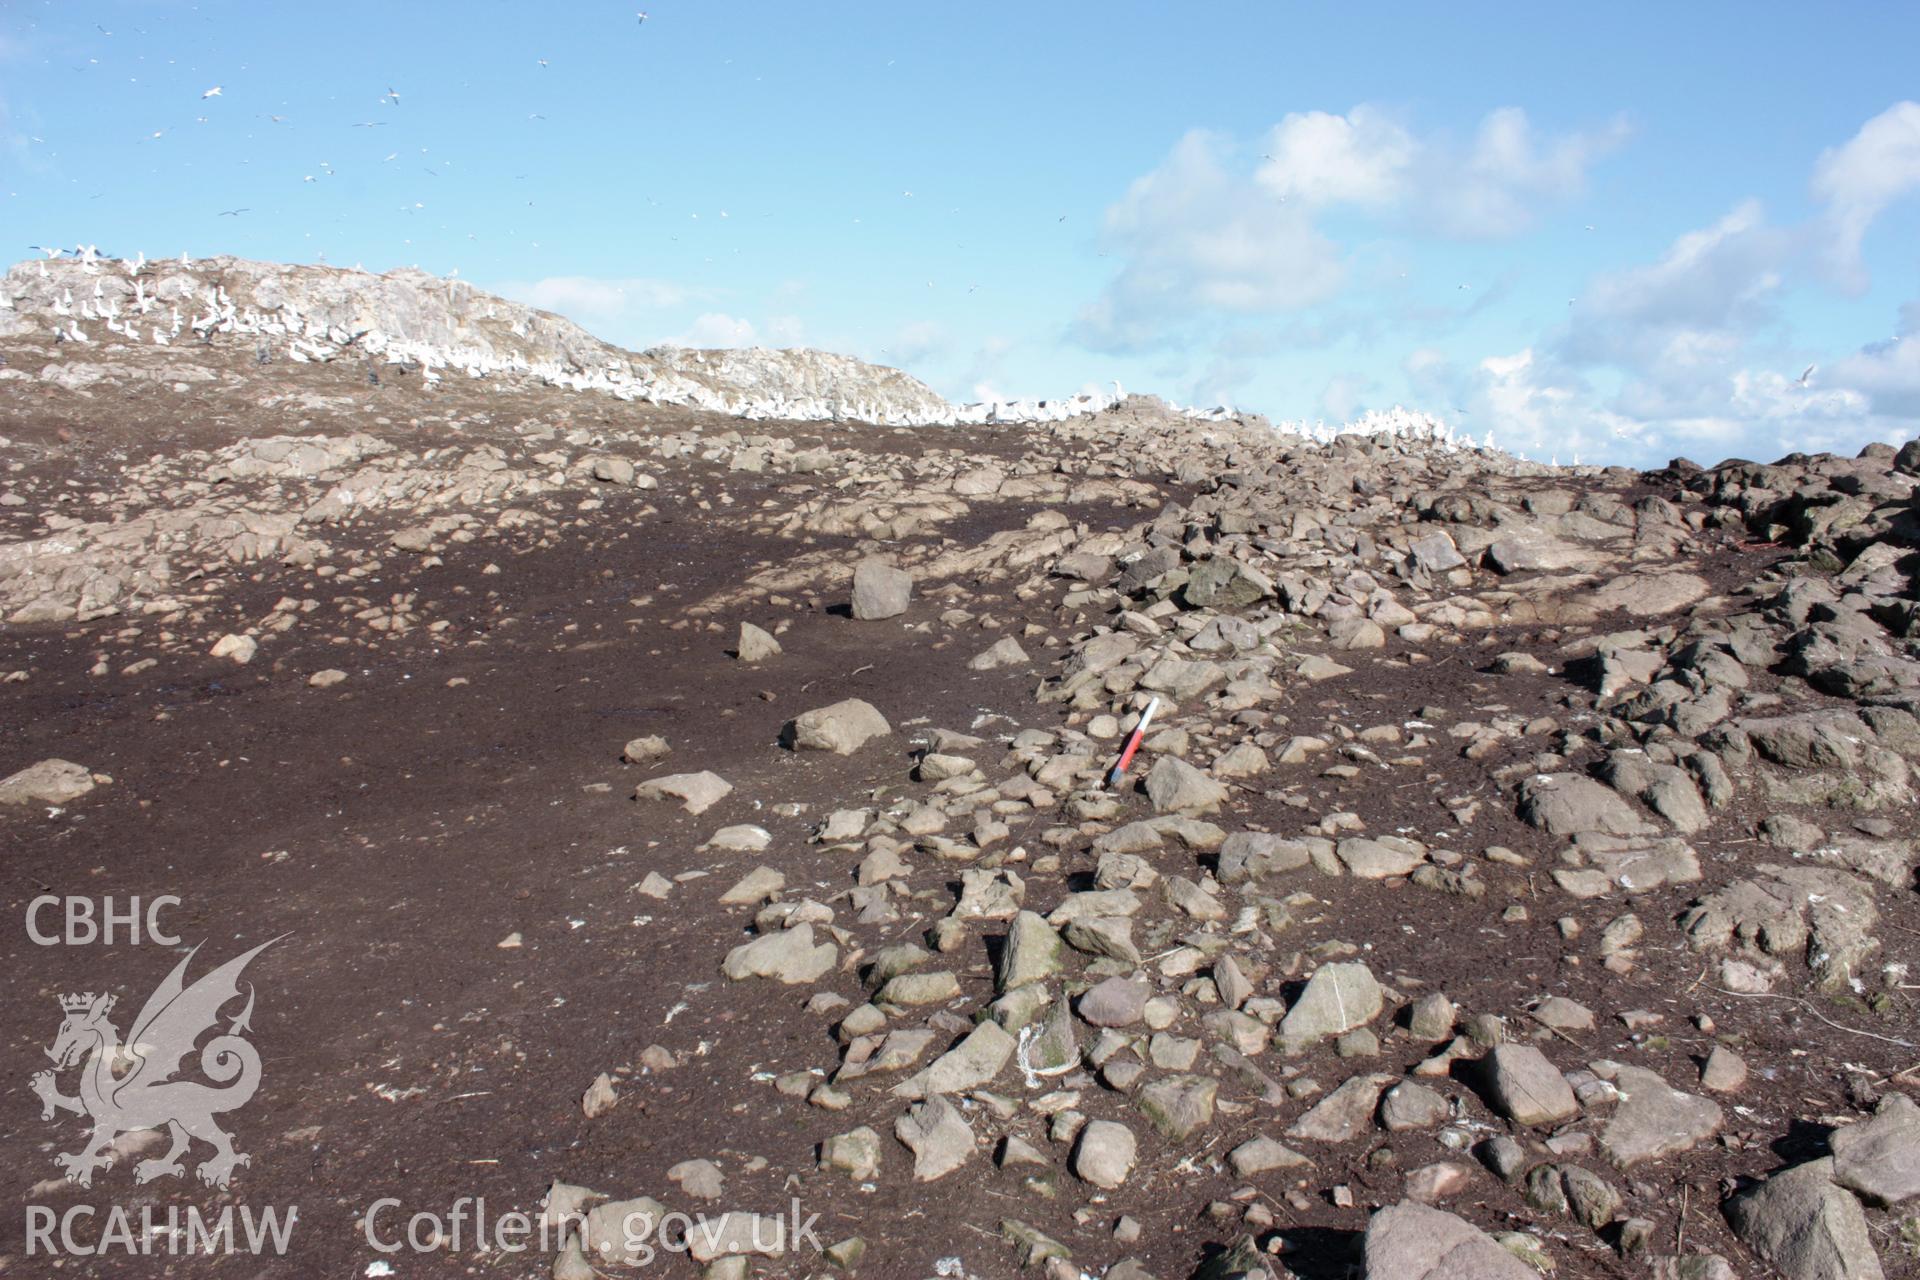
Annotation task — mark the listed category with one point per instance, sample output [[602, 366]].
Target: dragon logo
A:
[[128, 1087]]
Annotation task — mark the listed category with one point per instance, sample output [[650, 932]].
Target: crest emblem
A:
[[129, 1086]]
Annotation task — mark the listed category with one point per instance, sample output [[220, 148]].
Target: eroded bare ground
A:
[[1531, 845]]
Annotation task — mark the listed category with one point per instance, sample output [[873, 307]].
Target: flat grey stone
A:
[[1338, 998], [1805, 1225], [1880, 1158], [1104, 1154], [696, 792], [1655, 1120], [938, 1136], [1410, 1241], [842, 728], [1525, 1087]]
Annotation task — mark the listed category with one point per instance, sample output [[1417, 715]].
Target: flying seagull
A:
[[642, 16], [231, 213], [392, 98], [211, 93], [1807, 374]]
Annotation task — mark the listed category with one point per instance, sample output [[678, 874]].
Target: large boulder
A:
[[842, 728], [1409, 1241], [1880, 1159], [1338, 998], [1806, 1226], [48, 782], [1564, 804], [790, 956], [697, 792], [1525, 1087], [1175, 786], [880, 590]]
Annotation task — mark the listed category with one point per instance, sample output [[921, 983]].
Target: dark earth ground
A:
[[392, 831]]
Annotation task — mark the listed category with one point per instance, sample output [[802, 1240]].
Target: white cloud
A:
[[921, 340], [1203, 239], [1544, 412], [1679, 327], [1860, 178], [15, 142], [588, 299], [1345, 396], [1887, 373], [786, 331], [1198, 238], [1320, 158], [717, 329], [1493, 190]]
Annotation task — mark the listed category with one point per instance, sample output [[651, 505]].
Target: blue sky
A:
[[1621, 232]]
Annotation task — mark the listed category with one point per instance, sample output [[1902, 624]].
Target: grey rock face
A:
[[938, 1136], [1880, 1158], [1525, 1087], [1805, 1225], [880, 590], [1338, 998], [1175, 786], [1105, 1153], [48, 782], [842, 728], [1655, 1120], [1409, 1241], [1563, 804]]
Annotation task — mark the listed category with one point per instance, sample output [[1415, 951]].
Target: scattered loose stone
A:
[[856, 1153], [1880, 1158], [1654, 1120], [1005, 652], [1526, 1088], [1338, 998], [1179, 1106], [842, 728], [1807, 1226], [1104, 1154], [1262, 1155], [755, 645], [1409, 1241], [880, 590], [646, 750], [1344, 1114], [789, 956], [697, 792], [48, 782], [1117, 1002], [699, 1178], [600, 1097], [938, 1136]]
